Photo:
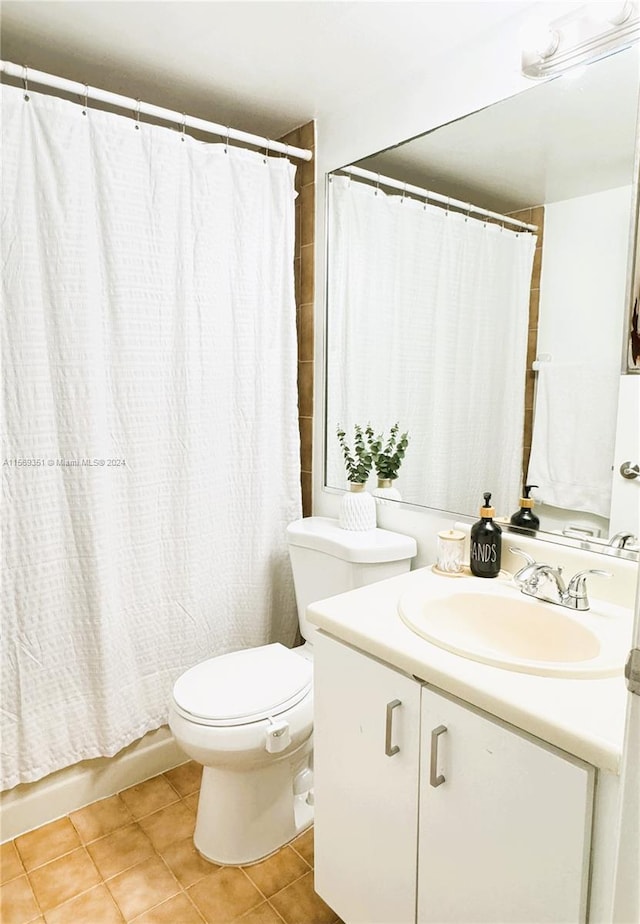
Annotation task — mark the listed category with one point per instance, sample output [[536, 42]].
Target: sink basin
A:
[[506, 629]]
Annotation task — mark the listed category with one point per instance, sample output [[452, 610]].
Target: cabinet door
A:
[[366, 767], [504, 823]]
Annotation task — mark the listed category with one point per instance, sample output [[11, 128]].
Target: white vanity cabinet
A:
[[505, 822], [366, 781], [429, 810]]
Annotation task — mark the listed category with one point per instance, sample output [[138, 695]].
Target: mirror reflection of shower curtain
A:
[[428, 320], [150, 342]]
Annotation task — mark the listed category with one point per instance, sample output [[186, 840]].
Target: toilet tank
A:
[[327, 560]]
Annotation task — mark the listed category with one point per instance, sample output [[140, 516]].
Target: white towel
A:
[[573, 436]]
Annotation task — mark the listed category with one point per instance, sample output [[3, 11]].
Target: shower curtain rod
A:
[[432, 196], [28, 75]]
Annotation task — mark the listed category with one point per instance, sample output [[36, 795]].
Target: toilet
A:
[[248, 716]]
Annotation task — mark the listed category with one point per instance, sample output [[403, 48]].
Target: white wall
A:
[[584, 271], [582, 299]]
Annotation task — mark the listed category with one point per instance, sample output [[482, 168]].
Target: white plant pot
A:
[[386, 491], [357, 509]]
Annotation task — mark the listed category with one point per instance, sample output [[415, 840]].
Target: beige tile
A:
[[303, 844], [537, 268], [298, 228], [47, 843], [306, 482], [120, 850], [93, 907], [306, 443], [141, 888], [263, 914], [191, 803], [186, 778], [298, 903], [185, 862], [306, 172], [101, 818], [292, 137], [17, 902], [529, 389], [532, 349], [534, 309], [305, 333], [297, 274], [277, 871], [307, 135], [149, 796], [537, 218], [62, 879], [170, 824], [307, 214], [178, 910], [306, 274], [10, 863], [305, 389], [224, 895]]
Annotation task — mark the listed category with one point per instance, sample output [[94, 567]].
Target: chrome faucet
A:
[[546, 583]]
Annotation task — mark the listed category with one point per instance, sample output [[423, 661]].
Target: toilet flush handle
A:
[[278, 736]]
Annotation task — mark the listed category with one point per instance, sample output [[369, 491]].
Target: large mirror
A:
[[477, 294]]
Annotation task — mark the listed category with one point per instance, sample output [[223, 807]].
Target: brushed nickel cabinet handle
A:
[[434, 778], [390, 749]]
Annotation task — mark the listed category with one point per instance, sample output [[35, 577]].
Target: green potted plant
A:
[[357, 507], [387, 459]]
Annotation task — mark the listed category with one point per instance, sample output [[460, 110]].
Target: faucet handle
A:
[[516, 551], [578, 584], [523, 574]]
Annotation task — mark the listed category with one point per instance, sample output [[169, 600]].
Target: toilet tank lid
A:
[[366, 546]]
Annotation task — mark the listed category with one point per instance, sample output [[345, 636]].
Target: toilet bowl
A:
[[247, 716]]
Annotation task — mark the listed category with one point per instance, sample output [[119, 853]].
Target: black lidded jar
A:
[[486, 543]]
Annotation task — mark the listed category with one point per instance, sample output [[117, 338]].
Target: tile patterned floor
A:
[[130, 858]]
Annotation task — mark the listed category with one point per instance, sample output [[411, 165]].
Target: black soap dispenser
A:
[[486, 543], [525, 517]]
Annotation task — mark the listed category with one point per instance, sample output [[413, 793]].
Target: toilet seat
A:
[[243, 687]]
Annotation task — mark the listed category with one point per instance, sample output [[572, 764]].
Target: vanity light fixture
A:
[[592, 31]]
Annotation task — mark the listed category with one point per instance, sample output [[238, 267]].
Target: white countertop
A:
[[584, 717]]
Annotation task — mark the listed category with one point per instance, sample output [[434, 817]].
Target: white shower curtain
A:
[[151, 455], [428, 319]]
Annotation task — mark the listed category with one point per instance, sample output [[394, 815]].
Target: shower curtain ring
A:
[[226, 146], [404, 193], [26, 87], [426, 199], [137, 125], [468, 216], [184, 125], [377, 185], [266, 147], [86, 99]]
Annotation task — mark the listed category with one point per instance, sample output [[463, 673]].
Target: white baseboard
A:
[[31, 805]]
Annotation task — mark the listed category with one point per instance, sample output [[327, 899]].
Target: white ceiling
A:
[[265, 67], [572, 136]]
